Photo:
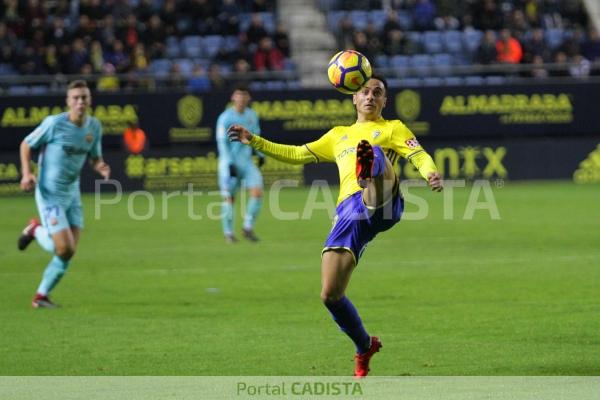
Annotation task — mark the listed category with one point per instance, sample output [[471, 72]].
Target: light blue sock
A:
[[52, 275], [227, 217], [252, 210], [44, 239]]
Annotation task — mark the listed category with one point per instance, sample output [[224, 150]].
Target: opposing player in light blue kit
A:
[[236, 165], [65, 140]]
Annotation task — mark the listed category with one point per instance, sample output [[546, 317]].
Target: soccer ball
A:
[[348, 71]]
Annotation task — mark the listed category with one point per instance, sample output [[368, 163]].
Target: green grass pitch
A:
[[515, 296]]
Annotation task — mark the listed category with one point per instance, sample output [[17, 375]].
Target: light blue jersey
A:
[[64, 148], [236, 153]]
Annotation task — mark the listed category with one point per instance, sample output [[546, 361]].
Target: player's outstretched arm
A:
[[281, 152], [101, 167], [28, 179]]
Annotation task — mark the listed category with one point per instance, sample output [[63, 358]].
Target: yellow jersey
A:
[[339, 146]]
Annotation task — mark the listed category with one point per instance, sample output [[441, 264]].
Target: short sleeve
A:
[[42, 134]]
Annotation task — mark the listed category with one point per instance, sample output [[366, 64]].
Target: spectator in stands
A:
[[486, 15], [508, 48], [571, 45], [199, 82], [108, 82], [144, 10], [536, 46], [79, 56], [108, 32], [176, 78], [361, 44], [229, 17], [51, 62], [446, 22], [532, 12], [580, 67], [373, 38], [487, 53], [7, 38], [240, 77], [591, 47], [96, 57], [169, 16], [217, 81], [281, 39], [129, 34], [155, 37], [397, 43], [57, 34], [538, 71], [345, 32], [139, 59], [268, 57], [118, 58], [256, 31], [203, 14], [561, 65], [574, 12], [424, 12], [518, 24]]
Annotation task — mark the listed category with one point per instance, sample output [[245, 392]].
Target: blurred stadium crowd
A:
[[202, 45], [552, 37], [192, 43]]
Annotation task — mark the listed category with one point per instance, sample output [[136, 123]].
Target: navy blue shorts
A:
[[355, 225]]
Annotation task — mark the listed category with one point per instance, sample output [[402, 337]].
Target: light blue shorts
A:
[[249, 174], [58, 215]]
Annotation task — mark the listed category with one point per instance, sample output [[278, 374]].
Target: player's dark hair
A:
[[78, 84], [241, 87], [382, 79]]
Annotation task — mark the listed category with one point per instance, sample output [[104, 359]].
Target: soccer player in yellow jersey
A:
[[369, 202]]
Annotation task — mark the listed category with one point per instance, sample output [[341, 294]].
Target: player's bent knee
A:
[[65, 252]]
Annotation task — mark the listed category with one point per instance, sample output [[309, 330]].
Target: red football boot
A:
[[41, 301], [27, 235], [364, 163], [362, 360]]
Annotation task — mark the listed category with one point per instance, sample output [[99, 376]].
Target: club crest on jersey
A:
[[376, 133], [53, 221], [412, 143], [345, 137], [89, 137]]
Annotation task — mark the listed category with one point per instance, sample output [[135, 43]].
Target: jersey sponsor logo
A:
[[412, 143], [376, 134], [89, 137], [70, 150]]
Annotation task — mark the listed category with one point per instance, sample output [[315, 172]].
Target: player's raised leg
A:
[[375, 173], [336, 269]]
